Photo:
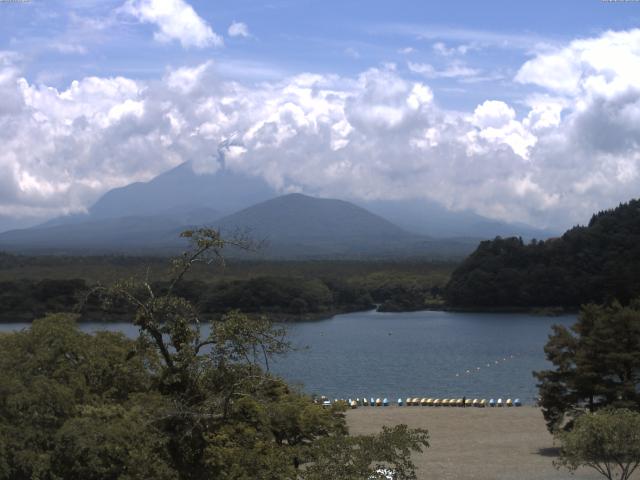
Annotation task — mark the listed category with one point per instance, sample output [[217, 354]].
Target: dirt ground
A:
[[474, 443]]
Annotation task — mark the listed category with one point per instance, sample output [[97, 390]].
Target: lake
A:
[[432, 354]]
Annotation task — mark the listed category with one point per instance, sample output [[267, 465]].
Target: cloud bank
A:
[[573, 148]]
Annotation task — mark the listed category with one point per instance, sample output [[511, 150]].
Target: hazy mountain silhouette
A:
[[148, 216], [181, 188], [297, 225], [430, 218]]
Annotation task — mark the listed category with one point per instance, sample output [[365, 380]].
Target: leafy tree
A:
[[350, 458], [49, 375], [172, 404], [596, 364], [608, 442]]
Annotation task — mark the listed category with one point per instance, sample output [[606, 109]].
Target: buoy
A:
[[499, 403], [399, 402], [517, 403], [509, 403], [385, 402], [492, 403]]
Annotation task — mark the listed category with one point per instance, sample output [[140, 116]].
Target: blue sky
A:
[[323, 36], [500, 107]]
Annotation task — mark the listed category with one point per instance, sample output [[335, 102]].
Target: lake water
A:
[[432, 354]]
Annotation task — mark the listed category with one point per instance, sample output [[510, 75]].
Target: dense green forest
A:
[[594, 263], [33, 286]]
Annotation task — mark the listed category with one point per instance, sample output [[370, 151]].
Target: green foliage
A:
[[171, 404], [49, 374], [351, 458], [608, 442], [587, 264], [282, 290], [596, 364]]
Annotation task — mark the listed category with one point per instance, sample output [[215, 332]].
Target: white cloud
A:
[[68, 48], [442, 49], [176, 20], [352, 52], [606, 65], [453, 70], [238, 29], [406, 50], [552, 158], [185, 79]]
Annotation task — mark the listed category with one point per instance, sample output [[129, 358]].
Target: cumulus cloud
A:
[[551, 159], [175, 20], [238, 29]]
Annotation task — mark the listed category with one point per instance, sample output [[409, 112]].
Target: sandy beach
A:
[[474, 443]]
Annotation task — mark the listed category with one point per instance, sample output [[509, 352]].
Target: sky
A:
[[519, 111]]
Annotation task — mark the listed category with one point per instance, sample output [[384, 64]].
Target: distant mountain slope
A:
[[181, 188], [430, 218], [298, 225], [136, 234], [293, 226], [595, 263]]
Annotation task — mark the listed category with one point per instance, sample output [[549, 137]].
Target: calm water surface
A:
[[434, 354]]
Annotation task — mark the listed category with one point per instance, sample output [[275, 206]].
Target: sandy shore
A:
[[474, 443]]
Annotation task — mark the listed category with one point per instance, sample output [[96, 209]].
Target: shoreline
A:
[[319, 316]]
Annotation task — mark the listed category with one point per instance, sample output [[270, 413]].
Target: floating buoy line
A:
[[491, 364]]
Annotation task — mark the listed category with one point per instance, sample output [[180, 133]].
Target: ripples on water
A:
[[433, 354]]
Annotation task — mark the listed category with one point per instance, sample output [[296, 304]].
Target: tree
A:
[[65, 393], [171, 404], [607, 441], [597, 364]]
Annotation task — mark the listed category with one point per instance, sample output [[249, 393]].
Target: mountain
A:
[[134, 234], [594, 263], [431, 218], [181, 188], [291, 226], [297, 225], [147, 217]]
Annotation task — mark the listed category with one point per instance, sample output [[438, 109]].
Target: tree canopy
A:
[[596, 263], [608, 442], [596, 364], [172, 404]]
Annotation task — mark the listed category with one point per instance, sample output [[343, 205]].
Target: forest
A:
[[594, 263], [31, 286]]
